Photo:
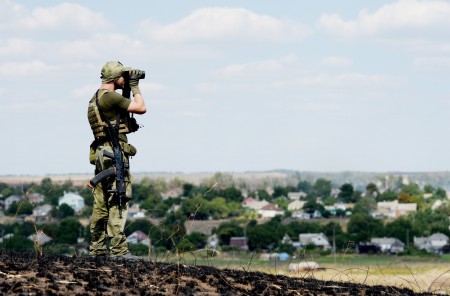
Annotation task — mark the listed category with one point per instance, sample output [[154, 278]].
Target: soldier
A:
[[107, 108]]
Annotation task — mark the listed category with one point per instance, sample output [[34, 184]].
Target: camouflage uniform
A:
[[107, 225]]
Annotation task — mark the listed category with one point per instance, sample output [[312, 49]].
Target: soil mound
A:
[[27, 274]]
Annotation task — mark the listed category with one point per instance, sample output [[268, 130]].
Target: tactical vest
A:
[[98, 126]]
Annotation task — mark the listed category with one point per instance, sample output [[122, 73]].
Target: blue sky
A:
[[232, 85]]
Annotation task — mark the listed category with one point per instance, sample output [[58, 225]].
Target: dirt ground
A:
[[28, 274]]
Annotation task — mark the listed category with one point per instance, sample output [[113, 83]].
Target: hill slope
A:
[[25, 274]]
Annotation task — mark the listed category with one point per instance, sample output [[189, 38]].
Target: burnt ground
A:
[[28, 274]]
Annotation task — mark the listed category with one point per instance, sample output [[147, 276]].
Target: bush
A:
[[138, 249]]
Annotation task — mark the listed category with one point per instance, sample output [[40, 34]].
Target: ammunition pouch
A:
[[133, 126], [128, 149]]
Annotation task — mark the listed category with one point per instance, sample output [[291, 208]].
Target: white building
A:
[[12, 199], [317, 239], [42, 211], [394, 209], [73, 200], [270, 211], [432, 243], [296, 205], [296, 195], [254, 204], [388, 244], [138, 237]]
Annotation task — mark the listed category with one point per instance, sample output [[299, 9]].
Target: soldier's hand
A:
[[134, 81]]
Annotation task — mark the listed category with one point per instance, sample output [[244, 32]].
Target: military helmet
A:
[[112, 70]]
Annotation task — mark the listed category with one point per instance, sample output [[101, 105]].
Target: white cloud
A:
[[35, 67], [353, 80], [16, 47], [337, 61], [257, 67], [65, 17], [225, 23], [442, 62], [191, 114], [320, 106], [151, 87], [85, 91], [405, 16], [207, 87]]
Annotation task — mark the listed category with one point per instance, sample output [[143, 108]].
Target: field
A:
[[429, 274]]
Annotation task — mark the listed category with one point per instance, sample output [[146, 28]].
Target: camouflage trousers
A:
[[107, 225]]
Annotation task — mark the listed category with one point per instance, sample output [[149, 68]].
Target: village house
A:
[[316, 239], [212, 241], [138, 237], [42, 210], [39, 238], [394, 209], [173, 193], [135, 211], [334, 192], [73, 200], [296, 205], [437, 204], [301, 215], [239, 243], [6, 237], [35, 198], [433, 243], [12, 199], [339, 206], [270, 211], [296, 195], [388, 244], [286, 240], [254, 204]]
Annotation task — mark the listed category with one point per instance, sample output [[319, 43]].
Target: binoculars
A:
[[137, 74]]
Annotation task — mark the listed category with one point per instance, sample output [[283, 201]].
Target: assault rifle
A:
[[119, 168]]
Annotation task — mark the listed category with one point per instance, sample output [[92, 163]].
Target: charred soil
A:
[[27, 274]]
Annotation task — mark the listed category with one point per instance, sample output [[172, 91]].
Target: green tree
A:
[[388, 195], [365, 206], [322, 188], [362, 228], [401, 228], [63, 211], [265, 236], [18, 244], [187, 189], [23, 207], [197, 239], [304, 186], [294, 228], [261, 194], [312, 205], [279, 191], [282, 202], [143, 225], [333, 230], [68, 231], [231, 194], [217, 208], [428, 189], [227, 230], [372, 190], [195, 208], [441, 193], [346, 192]]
